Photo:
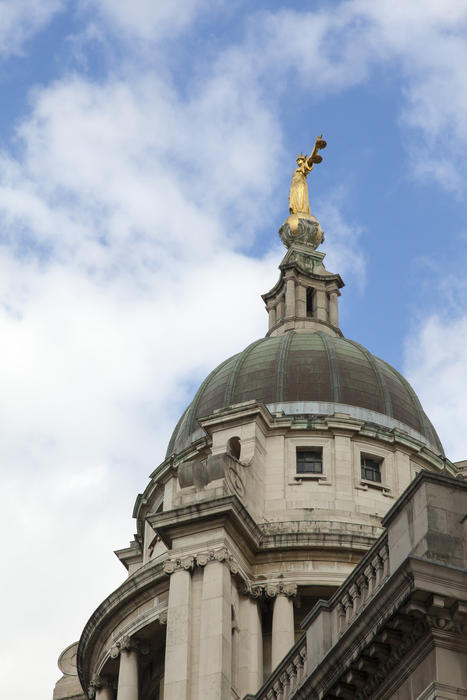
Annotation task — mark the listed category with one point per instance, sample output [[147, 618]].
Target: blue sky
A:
[[146, 150]]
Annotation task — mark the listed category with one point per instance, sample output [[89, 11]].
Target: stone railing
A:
[[361, 585], [287, 676], [336, 614]]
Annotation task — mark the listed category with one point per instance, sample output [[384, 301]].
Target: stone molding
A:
[[135, 590], [128, 643]]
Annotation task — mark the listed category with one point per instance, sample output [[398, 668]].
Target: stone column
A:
[[128, 673], [280, 309], [251, 646], [216, 628], [321, 305], [272, 316], [290, 297], [128, 678], [178, 639], [283, 627], [333, 308]]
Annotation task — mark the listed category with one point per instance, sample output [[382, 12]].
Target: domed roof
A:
[[309, 373]]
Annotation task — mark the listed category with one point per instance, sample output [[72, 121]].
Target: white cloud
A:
[[120, 288], [147, 20], [436, 358], [21, 19], [331, 50]]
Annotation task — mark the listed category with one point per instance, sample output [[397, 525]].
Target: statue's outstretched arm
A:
[[320, 143]]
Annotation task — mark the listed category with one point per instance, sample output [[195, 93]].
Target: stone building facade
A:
[[265, 532]]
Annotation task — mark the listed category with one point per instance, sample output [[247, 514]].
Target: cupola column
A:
[[321, 305], [178, 639], [283, 627], [272, 315], [301, 301], [216, 629], [289, 295], [334, 308]]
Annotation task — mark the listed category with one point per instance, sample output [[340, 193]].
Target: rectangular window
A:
[[371, 469], [310, 460]]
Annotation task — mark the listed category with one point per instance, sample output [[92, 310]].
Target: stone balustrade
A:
[[340, 611], [361, 585], [287, 677]]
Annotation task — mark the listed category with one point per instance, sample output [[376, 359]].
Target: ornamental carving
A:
[[127, 643], [245, 586], [272, 590], [172, 565]]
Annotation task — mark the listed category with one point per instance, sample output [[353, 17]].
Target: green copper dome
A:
[[309, 373]]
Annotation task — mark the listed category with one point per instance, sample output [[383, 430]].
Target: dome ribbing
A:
[[289, 371]]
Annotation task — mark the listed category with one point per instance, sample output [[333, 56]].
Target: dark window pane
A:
[[371, 469], [310, 461]]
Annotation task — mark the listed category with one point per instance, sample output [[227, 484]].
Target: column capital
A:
[[272, 590], [98, 683], [127, 643], [184, 563], [222, 554]]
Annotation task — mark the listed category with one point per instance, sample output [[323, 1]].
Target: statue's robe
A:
[[298, 195]]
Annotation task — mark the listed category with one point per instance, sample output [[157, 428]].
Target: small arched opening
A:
[[234, 447]]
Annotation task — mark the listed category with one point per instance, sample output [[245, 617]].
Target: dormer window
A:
[[371, 469], [310, 460]]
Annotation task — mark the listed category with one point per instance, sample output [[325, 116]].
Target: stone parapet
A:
[[405, 601]]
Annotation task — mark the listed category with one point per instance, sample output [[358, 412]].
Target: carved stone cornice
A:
[[127, 643]]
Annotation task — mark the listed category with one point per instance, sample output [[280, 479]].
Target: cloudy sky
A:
[[146, 150]]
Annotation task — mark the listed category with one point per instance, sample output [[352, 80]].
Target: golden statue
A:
[[298, 195], [301, 227]]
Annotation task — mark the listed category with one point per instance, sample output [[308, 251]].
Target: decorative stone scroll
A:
[[221, 554], [127, 643]]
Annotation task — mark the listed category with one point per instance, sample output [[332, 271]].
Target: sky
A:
[[146, 151]]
